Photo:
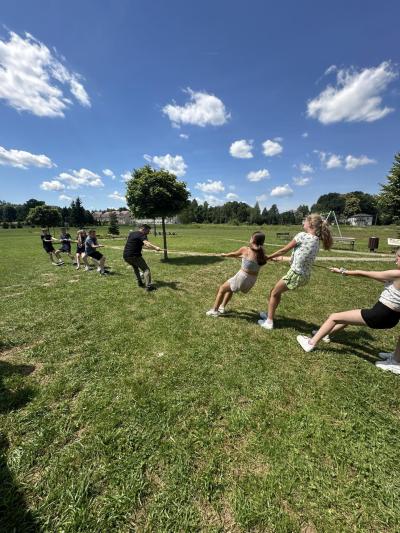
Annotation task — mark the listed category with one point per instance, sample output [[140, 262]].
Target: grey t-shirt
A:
[[305, 252], [89, 245]]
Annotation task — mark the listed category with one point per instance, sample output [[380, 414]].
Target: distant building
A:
[[125, 218], [361, 219]]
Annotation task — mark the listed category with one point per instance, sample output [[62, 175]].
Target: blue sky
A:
[[279, 102]]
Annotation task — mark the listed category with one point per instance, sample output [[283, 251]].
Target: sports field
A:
[[122, 410]]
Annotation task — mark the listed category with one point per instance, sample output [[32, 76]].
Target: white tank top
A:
[[390, 296]]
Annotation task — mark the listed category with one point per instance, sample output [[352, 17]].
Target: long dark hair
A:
[[258, 239]]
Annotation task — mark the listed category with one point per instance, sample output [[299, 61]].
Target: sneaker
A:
[[87, 269], [385, 355], [265, 324], [221, 309], [263, 315], [151, 288], [389, 365], [98, 269], [56, 264], [212, 312], [77, 267], [325, 339], [303, 341], [61, 262]]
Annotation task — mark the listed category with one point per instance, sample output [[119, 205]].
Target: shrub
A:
[[6, 225]]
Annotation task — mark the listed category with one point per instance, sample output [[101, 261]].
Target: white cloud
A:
[[108, 172], [232, 196], [272, 148], [32, 78], [304, 135], [74, 180], [353, 162], [65, 198], [356, 96], [22, 159], [54, 185], [278, 139], [282, 190], [203, 109], [258, 175], [126, 176], [241, 149], [210, 186], [210, 199], [184, 136], [301, 181], [333, 161], [232, 187], [117, 196], [306, 169], [174, 164], [262, 198]]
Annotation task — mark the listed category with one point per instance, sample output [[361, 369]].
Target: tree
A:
[[156, 193], [44, 215], [389, 197], [333, 201], [352, 206], [113, 227], [9, 213], [273, 215], [77, 213], [301, 212]]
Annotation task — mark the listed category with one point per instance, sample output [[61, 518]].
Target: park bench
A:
[[344, 240], [394, 244], [283, 236]]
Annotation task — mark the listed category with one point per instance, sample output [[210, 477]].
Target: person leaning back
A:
[[133, 255]]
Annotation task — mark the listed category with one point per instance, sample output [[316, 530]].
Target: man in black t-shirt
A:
[[133, 255]]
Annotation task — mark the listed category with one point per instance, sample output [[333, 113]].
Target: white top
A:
[[305, 252], [390, 296]]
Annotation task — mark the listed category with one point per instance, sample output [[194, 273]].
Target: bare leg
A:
[[57, 254], [223, 289], [396, 356], [77, 257], [102, 263], [84, 259], [227, 297], [275, 298], [347, 318], [50, 254]]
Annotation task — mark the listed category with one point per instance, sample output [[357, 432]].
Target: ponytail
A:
[[322, 230], [258, 239]]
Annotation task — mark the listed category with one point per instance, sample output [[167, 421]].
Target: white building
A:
[[361, 219], [126, 218]]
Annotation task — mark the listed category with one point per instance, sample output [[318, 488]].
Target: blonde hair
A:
[[321, 228], [79, 234]]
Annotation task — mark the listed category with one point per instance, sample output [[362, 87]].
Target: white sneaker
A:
[[303, 341], [212, 312], [77, 267], [390, 365], [385, 355], [87, 269], [221, 309], [263, 315], [325, 339], [98, 269], [265, 324], [56, 264]]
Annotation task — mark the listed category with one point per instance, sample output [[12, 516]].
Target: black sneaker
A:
[[150, 288]]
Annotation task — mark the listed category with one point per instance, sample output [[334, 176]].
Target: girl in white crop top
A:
[[385, 314], [253, 258]]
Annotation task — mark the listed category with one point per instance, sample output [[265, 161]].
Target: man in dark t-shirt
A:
[[133, 255]]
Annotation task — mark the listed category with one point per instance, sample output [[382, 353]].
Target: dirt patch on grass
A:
[[10, 353], [221, 518]]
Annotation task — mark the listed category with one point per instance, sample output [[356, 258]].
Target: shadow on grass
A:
[[10, 400], [174, 285], [193, 260], [14, 512]]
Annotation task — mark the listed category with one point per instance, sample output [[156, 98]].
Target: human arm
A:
[[289, 246], [280, 258], [150, 246], [383, 275], [236, 253]]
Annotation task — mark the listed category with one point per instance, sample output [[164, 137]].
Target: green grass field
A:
[[122, 410]]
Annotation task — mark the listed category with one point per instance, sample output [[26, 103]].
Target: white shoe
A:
[[325, 339], [212, 312], [77, 267], [265, 324], [221, 309], [303, 341], [87, 269], [263, 315], [385, 355], [98, 269], [389, 365], [56, 264]]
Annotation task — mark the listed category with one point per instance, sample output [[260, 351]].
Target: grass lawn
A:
[[122, 410]]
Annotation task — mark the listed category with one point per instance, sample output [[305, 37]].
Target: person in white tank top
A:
[[385, 314]]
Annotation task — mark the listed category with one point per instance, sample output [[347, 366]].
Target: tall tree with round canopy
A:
[[156, 193]]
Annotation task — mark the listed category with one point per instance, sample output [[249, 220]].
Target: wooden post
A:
[[165, 238]]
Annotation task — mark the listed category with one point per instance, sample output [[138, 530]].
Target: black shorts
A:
[[65, 250], [380, 316], [80, 250], [49, 249], [96, 255]]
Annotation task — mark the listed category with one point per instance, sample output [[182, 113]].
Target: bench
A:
[[284, 236], [394, 244], [344, 240]]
